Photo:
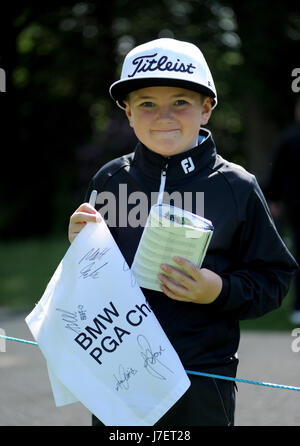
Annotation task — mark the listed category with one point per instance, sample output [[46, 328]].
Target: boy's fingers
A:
[[85, 207], [188, 266], [72, 236], [177, 275], [86, 213], [85, 217]]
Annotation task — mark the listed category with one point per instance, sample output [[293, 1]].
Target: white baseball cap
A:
[[164, 62]]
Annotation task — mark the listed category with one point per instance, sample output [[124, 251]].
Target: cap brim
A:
[[120, 89]]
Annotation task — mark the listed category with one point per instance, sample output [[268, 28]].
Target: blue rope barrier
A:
[[9, 338], [246, 381], [190, 372]]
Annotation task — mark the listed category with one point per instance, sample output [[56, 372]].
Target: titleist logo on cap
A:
[[148, 63]]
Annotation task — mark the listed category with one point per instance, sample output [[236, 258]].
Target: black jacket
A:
[[245, 250]]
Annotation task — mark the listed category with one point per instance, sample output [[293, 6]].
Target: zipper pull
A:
[[163, 178]]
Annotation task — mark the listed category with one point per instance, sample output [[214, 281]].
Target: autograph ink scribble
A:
[[94, 254], [132, 277], [92, 269], [71, 319], [151, 358], [122, 381], [88, 271]]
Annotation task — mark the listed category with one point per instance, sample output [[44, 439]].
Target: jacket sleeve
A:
[[262, 272]]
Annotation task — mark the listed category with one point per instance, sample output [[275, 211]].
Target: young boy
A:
[[167, 92]]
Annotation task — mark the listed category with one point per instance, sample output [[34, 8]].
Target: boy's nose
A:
[[165, 113]]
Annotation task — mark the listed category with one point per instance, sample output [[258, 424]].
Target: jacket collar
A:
[[182, 165]]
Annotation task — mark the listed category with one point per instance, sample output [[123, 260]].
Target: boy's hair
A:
[[164, 62]]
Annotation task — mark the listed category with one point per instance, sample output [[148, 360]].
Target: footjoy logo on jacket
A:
[[148, 63], [187, 165]]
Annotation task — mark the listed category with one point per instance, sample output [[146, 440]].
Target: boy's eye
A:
[[147, 104], [180, 102]]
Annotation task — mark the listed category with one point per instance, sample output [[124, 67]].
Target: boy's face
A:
[[167, 119]]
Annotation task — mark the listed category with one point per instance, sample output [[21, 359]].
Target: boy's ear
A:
[[128, 112], [206, 110]]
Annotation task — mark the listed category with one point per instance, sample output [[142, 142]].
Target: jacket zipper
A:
[[163, 177]]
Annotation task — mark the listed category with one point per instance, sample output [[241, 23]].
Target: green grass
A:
[[28, 265], [26, 268]]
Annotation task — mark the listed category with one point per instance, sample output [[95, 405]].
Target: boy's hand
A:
[[84, 214], [195, 285]]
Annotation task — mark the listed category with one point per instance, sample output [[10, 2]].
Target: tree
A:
[[60, 124], [270, 33]]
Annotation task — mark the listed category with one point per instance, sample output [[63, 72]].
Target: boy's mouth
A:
[[165, 130]]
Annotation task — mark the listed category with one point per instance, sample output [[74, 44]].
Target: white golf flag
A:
[[102, 342]]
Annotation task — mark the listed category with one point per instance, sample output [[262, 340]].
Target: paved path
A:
[[26, 396]]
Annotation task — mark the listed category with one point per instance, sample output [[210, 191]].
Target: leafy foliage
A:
[[60, 124]]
